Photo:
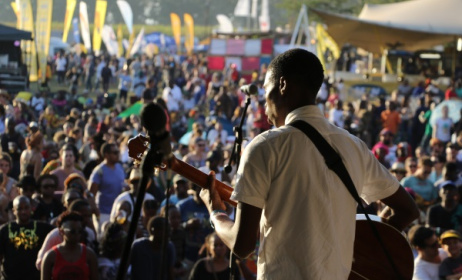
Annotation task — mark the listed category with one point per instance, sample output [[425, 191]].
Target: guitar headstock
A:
[[137, 146]]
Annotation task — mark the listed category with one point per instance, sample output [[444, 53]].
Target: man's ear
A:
[[282, 85]]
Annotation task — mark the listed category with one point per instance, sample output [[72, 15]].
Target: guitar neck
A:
[[200, 178]]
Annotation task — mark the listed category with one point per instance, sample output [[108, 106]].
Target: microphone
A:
[[250, 89], [154, 119]]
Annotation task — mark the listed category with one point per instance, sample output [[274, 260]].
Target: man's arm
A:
[[240, 236], [403, 207]]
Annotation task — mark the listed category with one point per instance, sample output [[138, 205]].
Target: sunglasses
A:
[[76, 186], [73, 231], [201, 145], [400, 172], [412, 166], [47, 186], [115, 152]]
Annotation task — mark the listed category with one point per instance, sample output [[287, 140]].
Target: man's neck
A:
[[22, 223], [436, 259]]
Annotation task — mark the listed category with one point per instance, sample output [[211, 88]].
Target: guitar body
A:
[[369, 259]]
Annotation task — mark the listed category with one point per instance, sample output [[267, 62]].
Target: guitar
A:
[[369, 259]]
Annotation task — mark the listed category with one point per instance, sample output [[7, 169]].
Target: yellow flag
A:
[[43, 32], [16, 12], [28, 47], [189, 35], [100, 16], [119, 40], [70, 7], [176, 28]]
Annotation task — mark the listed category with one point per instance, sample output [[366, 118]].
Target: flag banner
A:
[[42, 34], [28, 47], [137, 44], [242, 8], [110, 40], [225, 24], [15, 8], [70, 8], [100, 16], [176, 28], [127, 14], [264, 18], [75, 30], [84, 25], [189, 35]]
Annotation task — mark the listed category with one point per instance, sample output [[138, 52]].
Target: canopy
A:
[[409, 25], [135, 109], [12, 34]]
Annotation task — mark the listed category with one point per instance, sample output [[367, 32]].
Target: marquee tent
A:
[[408, 25], [12, 34]]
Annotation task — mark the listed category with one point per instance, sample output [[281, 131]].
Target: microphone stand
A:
[[153, 158], [235, 158]]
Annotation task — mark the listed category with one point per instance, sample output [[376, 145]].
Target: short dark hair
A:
[[47, 176], [106, 148], [418, 234], [6, 157], [155, 222], [68, 216], [299, 66], [76, 205]]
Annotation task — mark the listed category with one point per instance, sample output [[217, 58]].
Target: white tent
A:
[[440, 17], [409, 25]]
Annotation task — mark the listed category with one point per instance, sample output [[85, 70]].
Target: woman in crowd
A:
[[111, 248], [70, 259]]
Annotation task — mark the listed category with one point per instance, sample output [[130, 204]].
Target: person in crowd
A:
[[426, 193], [411, 166], [398, 170], [8, 184], [386, 143], [216, 264], [197, 156], [54, 237], [20, 241], [172, 96], [111, 248], [106, 183], [70, 259], [428, 260], [27, 187], [13, 143], [443, 126], [451, 267], [291, 84], [130, 195], [214, 162], [438, 166], [146, 254], [391, 117], [447, 214], [450, 174], [31, 158], [68, 156], [48, 206], [180, 190]]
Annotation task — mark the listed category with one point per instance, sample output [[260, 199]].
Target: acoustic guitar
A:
[[369, 259]]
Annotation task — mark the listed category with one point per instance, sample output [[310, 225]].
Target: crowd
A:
[[68, 184]]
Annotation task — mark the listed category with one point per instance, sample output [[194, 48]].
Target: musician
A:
[[304, 212]]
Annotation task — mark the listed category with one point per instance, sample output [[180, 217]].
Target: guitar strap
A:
[[334, 162]]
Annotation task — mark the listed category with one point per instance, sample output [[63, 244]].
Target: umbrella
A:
[[454, 107], [135, 109]]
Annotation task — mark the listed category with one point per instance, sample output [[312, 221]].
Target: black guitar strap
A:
[[334, 162]]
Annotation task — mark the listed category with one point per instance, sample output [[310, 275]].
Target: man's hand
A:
[[210, 195]]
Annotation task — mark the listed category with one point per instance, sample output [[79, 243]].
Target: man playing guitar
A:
[[305, 214]]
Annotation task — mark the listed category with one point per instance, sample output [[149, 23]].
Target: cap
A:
[[178, 178], [27, 181], [33, 124], [450, 234], [71, 177], [386, 131], [135, 174], [398, 166]]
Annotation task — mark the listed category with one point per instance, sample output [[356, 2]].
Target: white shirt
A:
[[125, 196], [172, 97], [213, 134], [307, 225], [60, 64]]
